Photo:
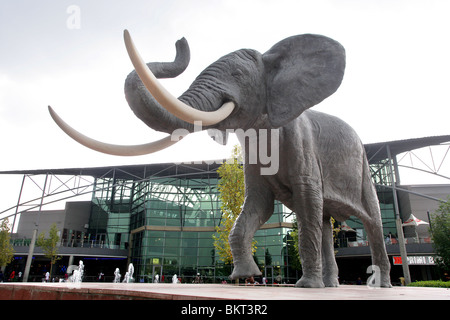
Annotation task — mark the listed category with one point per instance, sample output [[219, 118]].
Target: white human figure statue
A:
[[130, 273], [78, 274], [117, 276]]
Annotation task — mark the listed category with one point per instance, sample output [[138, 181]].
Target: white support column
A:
[[398, 221], [33, 239], [30, 256]]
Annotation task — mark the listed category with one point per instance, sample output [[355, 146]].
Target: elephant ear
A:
[[301, 71]]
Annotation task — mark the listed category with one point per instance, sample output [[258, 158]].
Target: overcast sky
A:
[[70, 55]]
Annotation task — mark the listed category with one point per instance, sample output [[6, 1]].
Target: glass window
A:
[[172, 242], [157, 221], [206, 242], [188, 261], [205, 260], [155, 242], [189, 251], [155, 251], [156, 234], [171, 251]]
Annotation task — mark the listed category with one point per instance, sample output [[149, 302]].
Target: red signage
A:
[[397, 260], [414, 260]]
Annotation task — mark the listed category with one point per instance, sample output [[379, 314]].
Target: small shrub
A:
[[434, 283]]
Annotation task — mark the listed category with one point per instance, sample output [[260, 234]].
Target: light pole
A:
[[398, 220], [33, 239]]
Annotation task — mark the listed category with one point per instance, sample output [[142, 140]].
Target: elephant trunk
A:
[[176, 107], [144, 104], [175, 68]]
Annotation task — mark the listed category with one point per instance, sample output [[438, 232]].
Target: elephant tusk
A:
[[113, 149], [166, 99]]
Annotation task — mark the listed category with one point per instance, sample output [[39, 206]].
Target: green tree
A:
[[440, 233], [294, 258], [6, 248], [50, 245], [231, 194]]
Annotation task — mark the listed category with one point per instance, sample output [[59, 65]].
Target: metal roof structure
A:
[[375, 152], [130, 172], [378, 151]]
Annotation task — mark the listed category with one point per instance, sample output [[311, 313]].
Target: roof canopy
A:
[[378, 151], [413, 221], [375, 153]]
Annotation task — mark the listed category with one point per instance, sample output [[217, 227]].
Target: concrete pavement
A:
[[132, 291]]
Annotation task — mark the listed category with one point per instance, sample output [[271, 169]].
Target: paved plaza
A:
[[107, 291]]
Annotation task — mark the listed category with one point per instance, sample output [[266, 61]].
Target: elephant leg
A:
[[257, 209], [371, 219], [329, 267], [308, 206], [374, 229]]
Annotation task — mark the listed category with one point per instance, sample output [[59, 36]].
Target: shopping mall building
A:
[[162, 218]]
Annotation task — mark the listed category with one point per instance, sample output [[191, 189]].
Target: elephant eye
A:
[[237, 73]]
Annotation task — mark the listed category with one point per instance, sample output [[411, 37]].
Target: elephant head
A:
[[244, 89]]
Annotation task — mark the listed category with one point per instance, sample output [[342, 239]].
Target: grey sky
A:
[[395, 86]]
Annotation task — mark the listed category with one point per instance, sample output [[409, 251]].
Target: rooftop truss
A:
[[42, 188]]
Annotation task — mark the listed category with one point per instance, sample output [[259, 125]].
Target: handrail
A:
[[76, 243]]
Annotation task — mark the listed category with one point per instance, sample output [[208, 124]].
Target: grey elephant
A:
[[322, 171]]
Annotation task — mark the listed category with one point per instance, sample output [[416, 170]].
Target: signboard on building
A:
[[415, 260]]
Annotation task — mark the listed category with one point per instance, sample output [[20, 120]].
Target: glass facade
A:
[[172, 223], [167, 222], [109, 223], [384, 179], [359, 237], [163, 217]]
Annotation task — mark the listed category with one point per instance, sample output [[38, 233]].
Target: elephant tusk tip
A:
[[126, 35], [117, 150], [50, 109], [53, 114]]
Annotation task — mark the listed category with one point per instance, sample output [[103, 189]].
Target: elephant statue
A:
[[323, 171]]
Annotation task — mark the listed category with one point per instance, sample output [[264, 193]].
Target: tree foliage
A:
[[6, 248], [50, 245], [440, 233], [293, 247], [231, 194]]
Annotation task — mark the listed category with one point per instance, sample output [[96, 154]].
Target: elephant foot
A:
[[385, 280], [331, 282], [382, 284], [379, 280], [310, 282], [245, 269]]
